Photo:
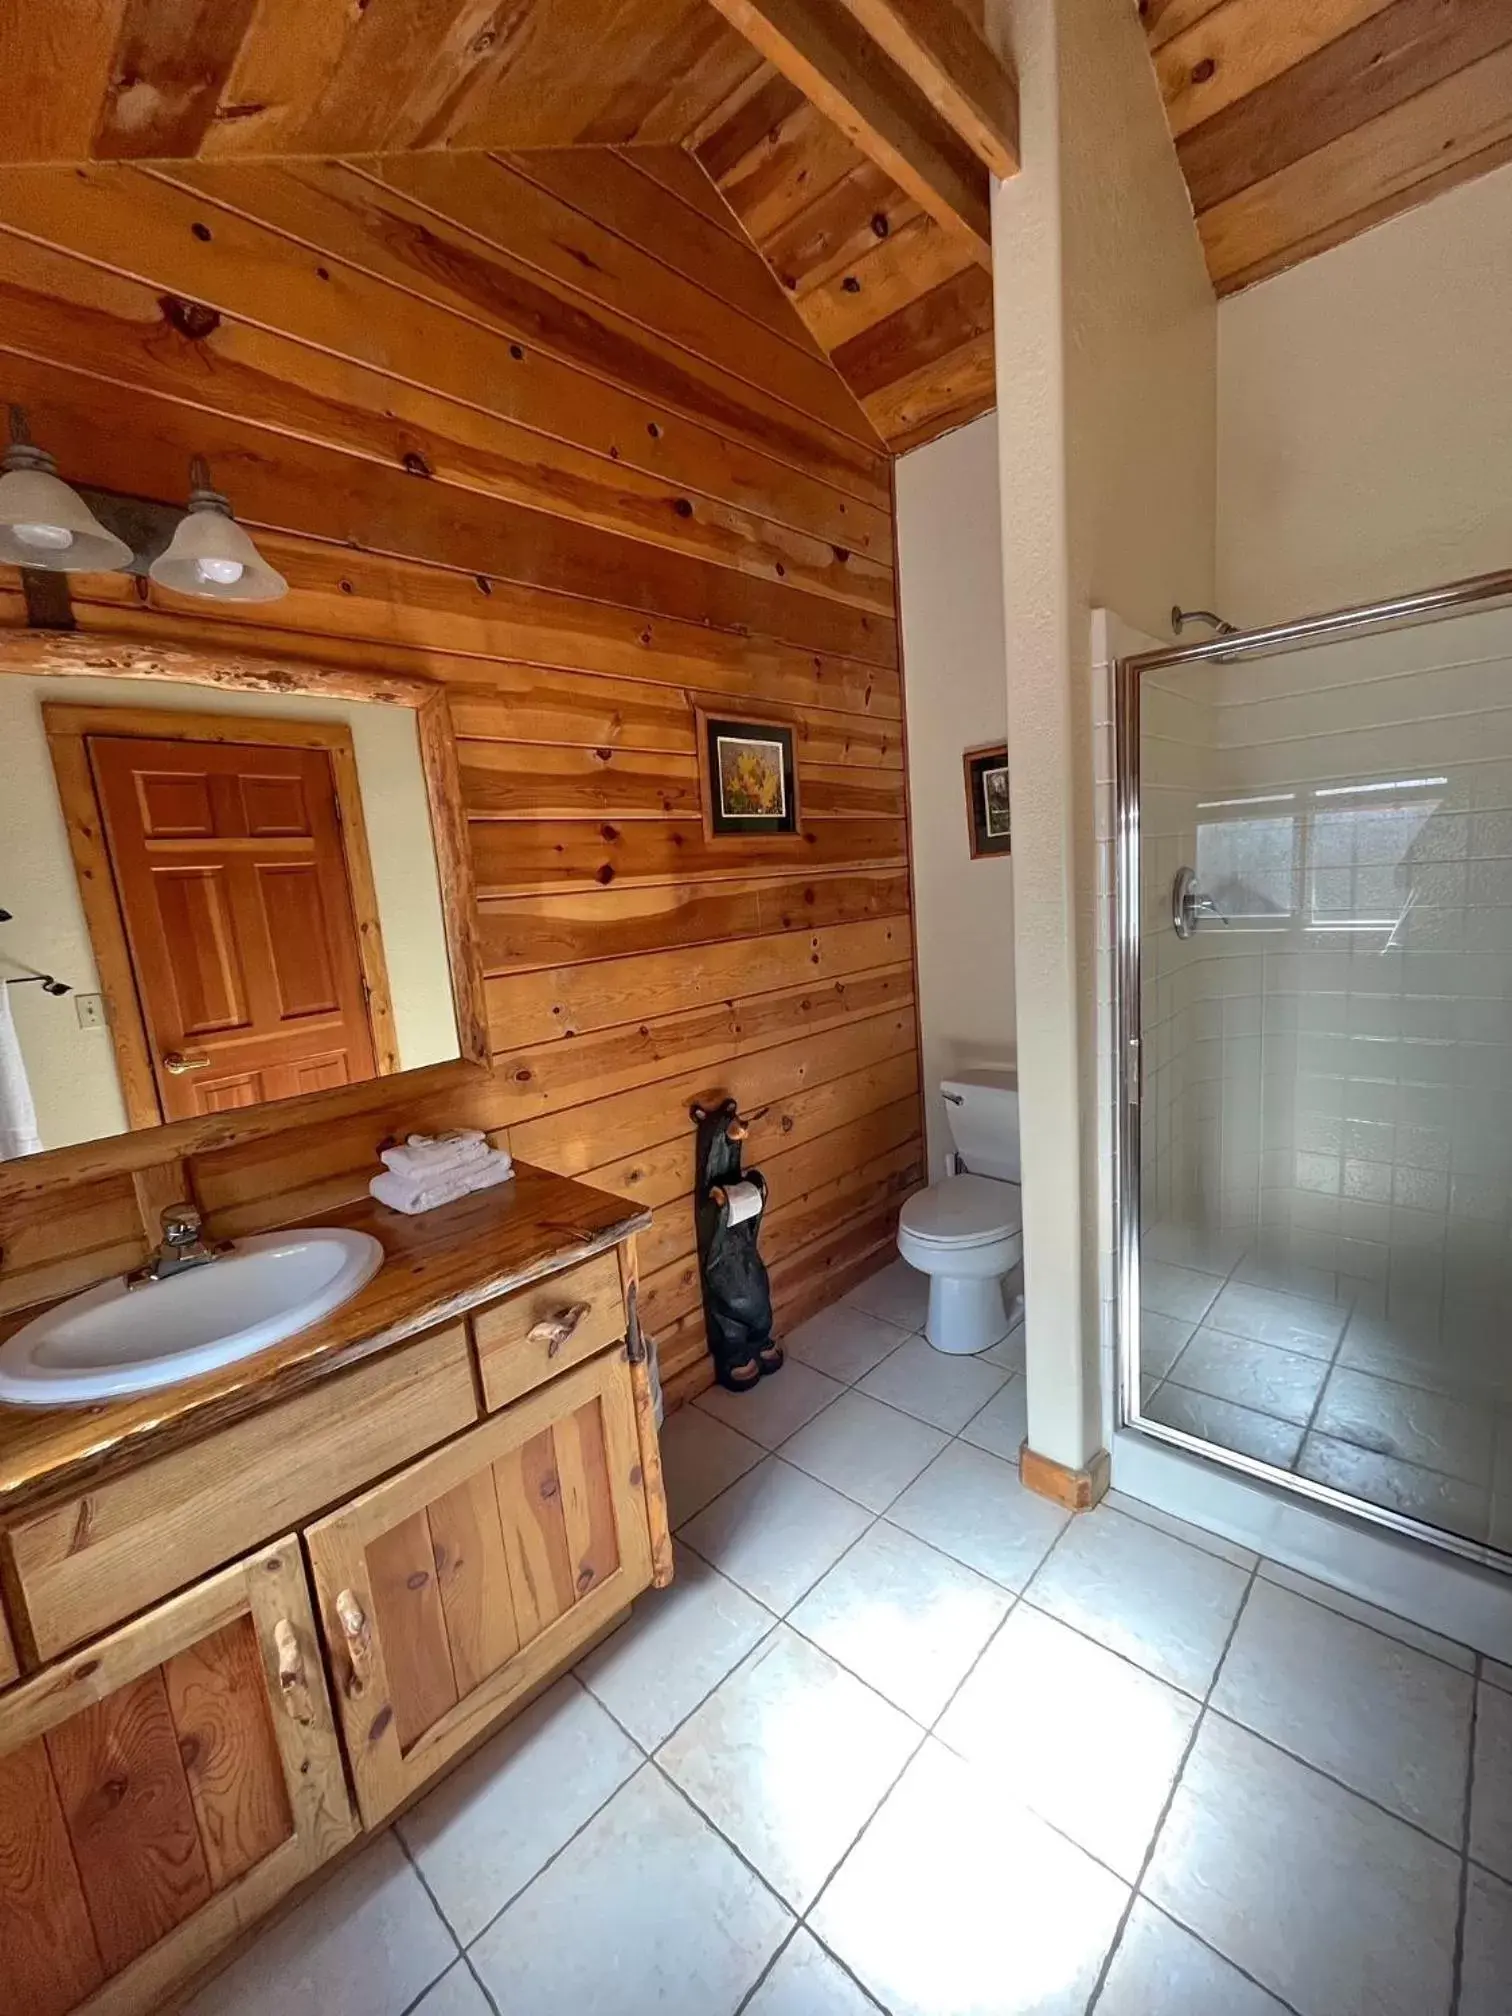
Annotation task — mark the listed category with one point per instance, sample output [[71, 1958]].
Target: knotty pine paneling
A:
[[559, 441]]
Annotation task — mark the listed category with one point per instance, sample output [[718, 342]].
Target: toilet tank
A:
[[982, 1109]]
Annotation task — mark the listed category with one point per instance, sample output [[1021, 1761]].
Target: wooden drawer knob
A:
[[293, 1687], [358, 1634], [553, 1331]]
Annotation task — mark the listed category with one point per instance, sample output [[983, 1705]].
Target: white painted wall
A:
[[72, 1070], [1106, 371], [950, 583], [1365, 414]]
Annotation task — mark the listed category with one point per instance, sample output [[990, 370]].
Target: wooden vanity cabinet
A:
[[162, 1790], [455, 1587], [10, 1666]]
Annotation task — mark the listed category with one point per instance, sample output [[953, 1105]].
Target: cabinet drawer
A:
[[100, 1557], [9, 1664], [159, 1795], [545, 1328], [458, 1586]]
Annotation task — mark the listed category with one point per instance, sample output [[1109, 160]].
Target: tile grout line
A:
[[1458, 1977], [770, 1968]]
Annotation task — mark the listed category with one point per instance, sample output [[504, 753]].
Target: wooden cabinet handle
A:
[[293, 1687], [553, 1331], [358, 1634]]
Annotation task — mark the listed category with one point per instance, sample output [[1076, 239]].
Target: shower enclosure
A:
[[1314, 876]]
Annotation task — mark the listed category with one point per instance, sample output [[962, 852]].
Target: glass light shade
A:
[[44, 523], [211, 555]]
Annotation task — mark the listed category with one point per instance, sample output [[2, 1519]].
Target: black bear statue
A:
[[737, 1295]]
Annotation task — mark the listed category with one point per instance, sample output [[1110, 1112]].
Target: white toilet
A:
[[966, 1233]]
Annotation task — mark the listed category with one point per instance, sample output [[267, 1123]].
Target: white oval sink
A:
[[112, 1341]]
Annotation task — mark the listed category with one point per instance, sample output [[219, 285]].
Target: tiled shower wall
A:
[[1334, 1067]]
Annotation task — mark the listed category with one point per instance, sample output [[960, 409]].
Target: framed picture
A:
[[749, 777], [987, 819]]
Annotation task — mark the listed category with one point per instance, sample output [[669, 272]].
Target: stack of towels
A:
[[431, 1169]]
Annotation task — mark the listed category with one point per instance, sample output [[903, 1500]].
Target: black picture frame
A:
[[989, 821], [743, 755]]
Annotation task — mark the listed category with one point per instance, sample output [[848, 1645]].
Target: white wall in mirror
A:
[[71, 1069]]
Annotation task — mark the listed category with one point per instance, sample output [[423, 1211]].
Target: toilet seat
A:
[[963, 1212]]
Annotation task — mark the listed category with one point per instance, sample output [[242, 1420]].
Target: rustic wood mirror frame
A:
[[76, 654]]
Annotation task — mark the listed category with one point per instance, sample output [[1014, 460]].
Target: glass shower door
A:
[[1324, 861]]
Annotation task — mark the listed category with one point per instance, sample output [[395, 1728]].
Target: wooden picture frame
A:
[[79, 655], [988, 817], [769, 745]]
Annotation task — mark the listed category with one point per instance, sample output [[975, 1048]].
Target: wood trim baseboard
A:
[[1076, 1490]]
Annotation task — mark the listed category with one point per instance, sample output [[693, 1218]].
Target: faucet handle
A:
[[181, 1225]]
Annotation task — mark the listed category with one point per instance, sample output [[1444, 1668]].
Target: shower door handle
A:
[[1189, 903]]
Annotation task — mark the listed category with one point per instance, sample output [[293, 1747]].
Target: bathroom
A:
[[982, 642]]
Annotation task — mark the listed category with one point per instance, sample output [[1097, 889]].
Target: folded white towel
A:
[[438, 1155], [402, 1193]]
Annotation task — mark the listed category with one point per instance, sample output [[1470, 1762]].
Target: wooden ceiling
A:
[[1300, 123], [891, 283]]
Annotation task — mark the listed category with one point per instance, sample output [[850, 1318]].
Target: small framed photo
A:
[[987, 818], [749, 777]]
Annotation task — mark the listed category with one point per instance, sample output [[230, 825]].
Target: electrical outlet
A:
[[90, 1009]]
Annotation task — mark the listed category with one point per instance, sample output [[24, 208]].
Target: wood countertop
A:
[[439, 1266]]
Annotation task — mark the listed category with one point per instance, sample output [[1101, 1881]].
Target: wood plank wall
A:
[[561, 442]]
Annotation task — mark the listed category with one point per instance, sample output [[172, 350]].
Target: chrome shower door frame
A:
[[1128, 1071]]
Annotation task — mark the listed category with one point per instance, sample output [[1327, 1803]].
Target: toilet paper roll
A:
[[744, 1201]]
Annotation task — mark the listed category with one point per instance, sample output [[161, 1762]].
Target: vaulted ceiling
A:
[[1300, 123], [899, 300]]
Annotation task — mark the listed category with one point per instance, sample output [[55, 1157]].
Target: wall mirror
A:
[[226, 884]]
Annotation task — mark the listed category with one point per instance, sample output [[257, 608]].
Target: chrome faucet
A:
[[183, 1247]]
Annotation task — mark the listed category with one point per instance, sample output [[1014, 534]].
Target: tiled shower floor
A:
[[903, 1737], [1303, 1369]]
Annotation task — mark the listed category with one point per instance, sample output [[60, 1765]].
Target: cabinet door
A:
[[456, 1586], [160, 1789], [9, 1665]]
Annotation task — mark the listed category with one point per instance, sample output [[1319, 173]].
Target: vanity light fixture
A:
[[211, 555], [45, 523]]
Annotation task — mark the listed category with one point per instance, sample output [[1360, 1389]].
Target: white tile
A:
[[1160, 1967], [1409, 1424], [700, 1456], [1491, 1801], [956, 1902], [1284, 1384], [899, 1294], [1161, 1342], [1178, 1291], [1089, 1742], [903, 1616], [806, 1981], [843, 1341], [775, 1409], [1008, 1352], [455, 1994], [1003, 1423], [647, 1908], [868, 1451], [1390, 1722], [1220, 1421], [1497, 1674], [1488, 1946], [1193, 1246], [366, 1943], [1290, 1277], [1331, 1904], [937, 1386], [1182, 1529], [679, 1644], [1291, 1321], [775, 1532], [490, 1826], [1366, 1613], [1167, 1606], [1404, 1487], [790, 1758], [973, 1507]]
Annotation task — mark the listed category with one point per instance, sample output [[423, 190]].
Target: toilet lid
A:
[[964, 1211]]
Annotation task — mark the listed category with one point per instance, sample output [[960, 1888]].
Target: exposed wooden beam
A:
[[821, 47], [974, 91]]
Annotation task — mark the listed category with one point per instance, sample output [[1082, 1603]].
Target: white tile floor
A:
[[1299, 1368], [903, 1738]]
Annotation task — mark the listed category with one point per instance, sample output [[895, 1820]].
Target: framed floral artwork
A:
[[987, 815], [749, 777]]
